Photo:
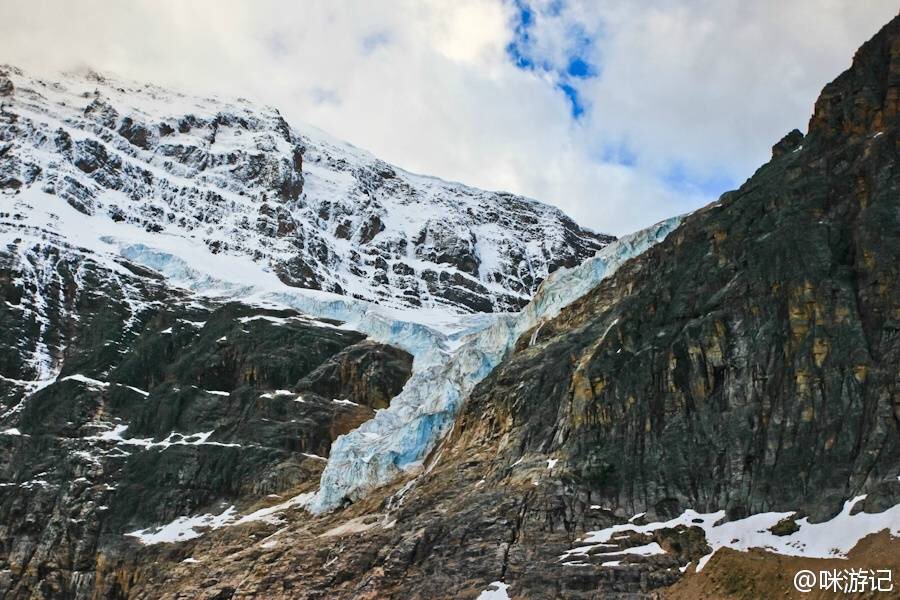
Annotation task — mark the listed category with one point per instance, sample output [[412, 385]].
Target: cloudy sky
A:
[[621, 112]]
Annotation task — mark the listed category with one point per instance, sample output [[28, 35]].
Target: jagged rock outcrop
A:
[[364, 373]]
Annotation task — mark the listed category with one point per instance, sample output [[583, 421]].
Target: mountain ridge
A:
[[733, 386], [318, 212]]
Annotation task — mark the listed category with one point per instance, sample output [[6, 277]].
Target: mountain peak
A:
[[237, 179], [865, 98]]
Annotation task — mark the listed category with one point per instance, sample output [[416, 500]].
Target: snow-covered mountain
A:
[[240, 180], [181, 415], [186, 289]]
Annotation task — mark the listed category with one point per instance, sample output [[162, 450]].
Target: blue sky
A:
[[577, 62], [619, 112]]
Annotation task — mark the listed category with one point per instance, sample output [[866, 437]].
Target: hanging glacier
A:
[[452, 352], [399, 438]]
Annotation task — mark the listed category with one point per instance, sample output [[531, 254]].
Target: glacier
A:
[[428, 335], [452, 353], [399, 438]]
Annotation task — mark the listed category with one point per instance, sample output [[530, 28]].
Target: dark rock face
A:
[[757, 345], [6, 86], [365, 373], [135, 133], [747, 363], [125, 405]]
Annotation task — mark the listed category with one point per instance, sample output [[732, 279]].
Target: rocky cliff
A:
[[149, 404]]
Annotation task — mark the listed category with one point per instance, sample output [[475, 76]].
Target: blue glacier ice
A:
[[399, 438]]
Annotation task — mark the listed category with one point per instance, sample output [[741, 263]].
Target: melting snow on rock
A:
[[830, 539]]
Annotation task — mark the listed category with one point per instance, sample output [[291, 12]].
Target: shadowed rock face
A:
[[365, 373], [747, 363], [154, 406]]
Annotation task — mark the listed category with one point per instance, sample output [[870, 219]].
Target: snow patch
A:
[[183, 528], [347, 402], [173, 439], [495, 591], [138, 390], [830, 539], [190, 527], [86, 381]]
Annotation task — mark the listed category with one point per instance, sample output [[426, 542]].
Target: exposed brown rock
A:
[[733, 575]]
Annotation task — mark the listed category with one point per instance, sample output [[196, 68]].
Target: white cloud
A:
[[715, 83], [429, 85]]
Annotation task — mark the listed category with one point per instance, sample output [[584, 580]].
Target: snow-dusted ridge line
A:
[[238, 178], [397, 439], [427, 333]]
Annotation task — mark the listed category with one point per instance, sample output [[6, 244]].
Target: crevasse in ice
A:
[[399, 438]]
